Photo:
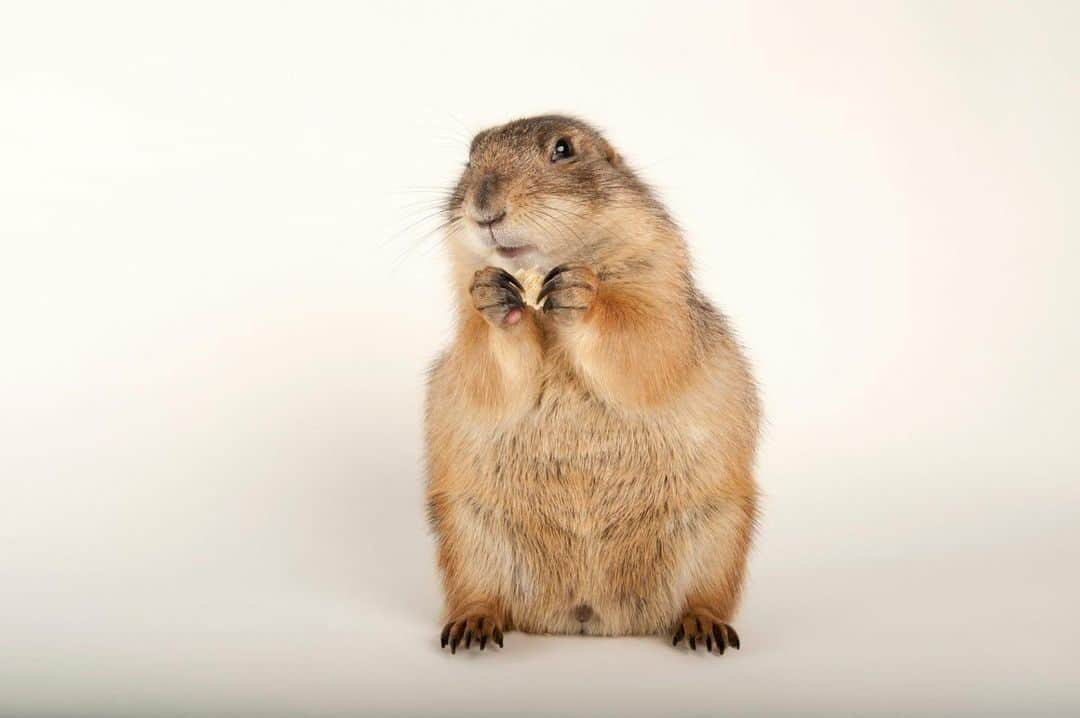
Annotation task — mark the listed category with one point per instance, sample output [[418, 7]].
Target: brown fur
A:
[[596, 453]]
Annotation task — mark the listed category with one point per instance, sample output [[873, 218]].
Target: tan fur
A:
[[599, 456]]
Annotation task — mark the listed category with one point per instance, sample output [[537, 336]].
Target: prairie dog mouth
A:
[[513, 251], [508, 244]]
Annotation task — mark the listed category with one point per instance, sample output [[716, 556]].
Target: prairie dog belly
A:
[[587, 513]]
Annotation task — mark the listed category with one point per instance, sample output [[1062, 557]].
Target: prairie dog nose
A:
[[489, 221], [583, 612]]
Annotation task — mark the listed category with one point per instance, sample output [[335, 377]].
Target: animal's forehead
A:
[[527, 133]]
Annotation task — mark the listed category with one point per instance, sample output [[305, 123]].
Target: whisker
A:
[[562, 223], [426, 218], [445, 229]]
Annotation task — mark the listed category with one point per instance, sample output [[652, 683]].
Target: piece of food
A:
[[532, 280]]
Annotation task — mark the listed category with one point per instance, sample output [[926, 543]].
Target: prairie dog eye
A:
[[562, 150]]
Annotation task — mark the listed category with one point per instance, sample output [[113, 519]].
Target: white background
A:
[[216, 312]]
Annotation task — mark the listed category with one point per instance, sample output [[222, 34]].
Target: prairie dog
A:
[[590, 445]]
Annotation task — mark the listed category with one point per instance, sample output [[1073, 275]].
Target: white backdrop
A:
[[217, 304]]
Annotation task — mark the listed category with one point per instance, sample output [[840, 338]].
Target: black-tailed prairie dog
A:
[[591, 429]]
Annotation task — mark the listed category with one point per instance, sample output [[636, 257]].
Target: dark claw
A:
[[468, 638], [708, 643], [555, 271], [552, 286], [505, 281], [446, 633], [549, 285], [497, 635], [544, 292], [508, 289], [718, 632], [512, 279], [679, 634], [453, 645], [512, 299], [693, 643], [483, 641], [502, 279], [733, 638]]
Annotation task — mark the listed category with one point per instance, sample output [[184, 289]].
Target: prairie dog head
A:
[[537, 192]]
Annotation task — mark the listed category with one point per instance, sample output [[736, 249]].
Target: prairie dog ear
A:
[[609, 153]]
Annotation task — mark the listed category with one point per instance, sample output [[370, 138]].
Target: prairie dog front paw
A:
[[496, 294], [568, 291]]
